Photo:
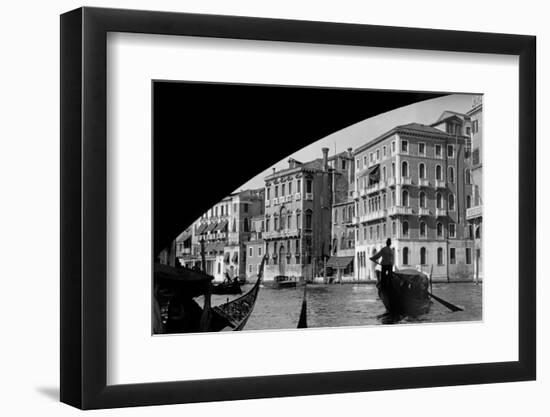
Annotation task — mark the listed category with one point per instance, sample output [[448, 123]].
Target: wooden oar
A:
[[450, 306]]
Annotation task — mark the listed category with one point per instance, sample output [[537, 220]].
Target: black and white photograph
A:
[[318, 207]]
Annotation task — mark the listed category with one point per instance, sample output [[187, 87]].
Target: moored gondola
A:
[[175, 290], [227, 287]]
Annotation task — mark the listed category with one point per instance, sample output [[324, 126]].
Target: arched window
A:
[[405, 256], [245, 224], [289, 221], [422, 229], [468, 175], [451, 202], [439, 201], [298, 220], [422, 198], [471, 231], [423, 256], [383, 173], [440, 256], [478, 232], [422, 171], [405, 228], [405, 198], [334, 246], [308, 219], [468, 201], [404, 169], [393, 169], [438, 172], [439, 228], [451, 174]]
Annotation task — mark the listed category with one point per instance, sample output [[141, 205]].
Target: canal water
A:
[[350, 305]]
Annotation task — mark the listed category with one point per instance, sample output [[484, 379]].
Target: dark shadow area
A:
[[50, 392]]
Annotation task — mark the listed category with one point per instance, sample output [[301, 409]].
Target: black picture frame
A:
[[83, 207]]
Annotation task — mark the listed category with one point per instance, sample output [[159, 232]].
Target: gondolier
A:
[[386, 253]]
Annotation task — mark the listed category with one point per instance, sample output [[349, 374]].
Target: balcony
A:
[[309, 196], [363, 193], [422, 211], [355, 195], [288, 198], [275, 201], [423, 182], [440, 212], [400, 211], [391, 182], [297, 196], [270, 235], [373, 189], [406, 181], [282, 200], [267, 203], [440, 184], [474, 212], [374, 215], [355, 220]]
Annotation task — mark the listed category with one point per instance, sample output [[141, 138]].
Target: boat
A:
[[407, 293], [235, 313], [283, 281], [227, 287], [302, 321], [175, 290]]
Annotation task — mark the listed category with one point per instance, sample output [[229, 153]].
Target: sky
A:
[[358, 134]]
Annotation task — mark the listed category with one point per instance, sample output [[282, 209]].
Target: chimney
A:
[[350, 150], [273, 170], [325, 159], [291, 163]]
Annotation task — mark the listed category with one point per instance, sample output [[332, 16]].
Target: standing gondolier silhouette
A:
[[386, 253]]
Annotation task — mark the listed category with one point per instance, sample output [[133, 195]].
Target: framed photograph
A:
[[257, 208]]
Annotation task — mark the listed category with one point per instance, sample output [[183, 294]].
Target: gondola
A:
[[235, 313], [406, 294], [175, 290], [227, 287]]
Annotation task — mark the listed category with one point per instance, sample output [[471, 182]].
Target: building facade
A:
[[474, 212], [255, 249], [222, 232], [410, 186], [341, 263], [297, 219]]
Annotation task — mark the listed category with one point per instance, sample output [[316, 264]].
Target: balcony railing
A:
[[267, 203], [440, 184], [391, 182], [275, 201], [400, 211], [406, 181], [355, 220], [355, 195], [422, 182], [309, 196], [422, 211], [373, 189], [363, 193], [440, 212], [375, 215], [297, 196], [474, 212]]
